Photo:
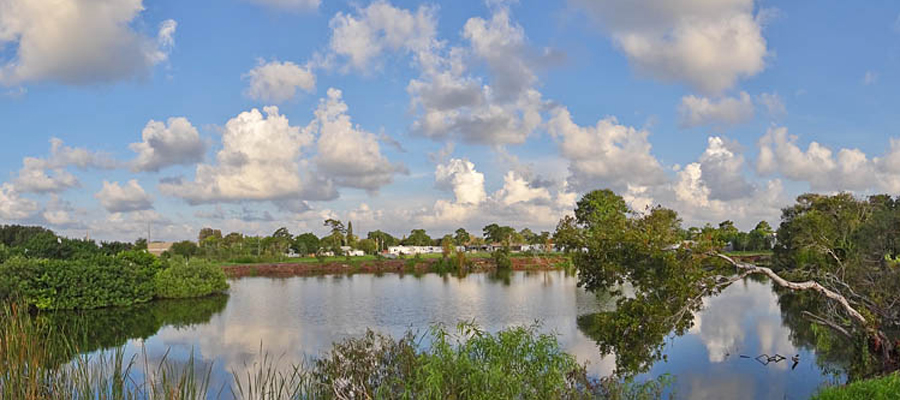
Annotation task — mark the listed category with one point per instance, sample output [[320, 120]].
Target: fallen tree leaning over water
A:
[[840, 247]]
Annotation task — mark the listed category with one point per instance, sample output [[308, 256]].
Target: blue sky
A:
[[398, 115]]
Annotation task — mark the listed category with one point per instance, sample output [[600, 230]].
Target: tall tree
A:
[[207, 233], [418, 237], [337, 229], [383, 239], [461, 237], [351, 239], [494, 233], [306, 243]]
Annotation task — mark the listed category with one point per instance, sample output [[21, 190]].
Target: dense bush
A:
[[501, 259], [81, 283], [194, 278], [131, 277]]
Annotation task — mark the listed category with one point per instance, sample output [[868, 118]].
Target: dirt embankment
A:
[[408, 265]]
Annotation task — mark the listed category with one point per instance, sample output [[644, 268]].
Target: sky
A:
[[123, 116]]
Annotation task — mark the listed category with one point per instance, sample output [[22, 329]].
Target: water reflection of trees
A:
[[835, 354], [93, 330], [636, 352]]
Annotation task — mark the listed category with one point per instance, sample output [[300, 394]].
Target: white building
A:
[[349, 251], [410, 250]]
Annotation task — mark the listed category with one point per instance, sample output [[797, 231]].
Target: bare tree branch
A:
[[808, 285], [833, 325]]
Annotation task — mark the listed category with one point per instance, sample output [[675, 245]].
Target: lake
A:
[[298, 318]]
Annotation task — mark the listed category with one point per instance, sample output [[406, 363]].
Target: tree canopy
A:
[[418, 237]]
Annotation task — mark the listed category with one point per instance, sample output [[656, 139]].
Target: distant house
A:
[[349, 251], [410, 250], [157, 248]]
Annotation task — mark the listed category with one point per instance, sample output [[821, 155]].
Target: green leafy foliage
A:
[[417, 237], [185, 248], [368, 246], [501, 258], [516, 363], [306, 243], [81, 283], [194, 278], [618, 247]]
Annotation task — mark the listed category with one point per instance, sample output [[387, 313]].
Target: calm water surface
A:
[[298, 318]]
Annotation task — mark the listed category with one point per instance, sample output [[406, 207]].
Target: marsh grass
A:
[[36, 362]]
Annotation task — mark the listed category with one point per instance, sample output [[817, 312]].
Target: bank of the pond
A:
[[885, 388], [407, 265]]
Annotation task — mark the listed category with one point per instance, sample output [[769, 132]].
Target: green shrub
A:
[[81, 283], [194, 278], [501, 259], [516, 363]]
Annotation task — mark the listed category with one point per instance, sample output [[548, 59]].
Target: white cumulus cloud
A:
[[130, 197], [175, 142], [361, 38], [605, 155], [460, 177], [78, 41], [50, 174], [346, 153], [721, 113], [277, 82], [261, 159], [849, 169], [13, 206], [450, 102], [708, 45]]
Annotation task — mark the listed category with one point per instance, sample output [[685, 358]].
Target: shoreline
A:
[[408, 265]]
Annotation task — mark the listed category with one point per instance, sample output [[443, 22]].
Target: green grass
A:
[[884, 388]]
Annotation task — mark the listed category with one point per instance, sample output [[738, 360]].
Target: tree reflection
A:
[[835, 354], [636, 351], [92, 330]]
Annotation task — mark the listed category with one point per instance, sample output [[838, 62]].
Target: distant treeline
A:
[[212, 244]]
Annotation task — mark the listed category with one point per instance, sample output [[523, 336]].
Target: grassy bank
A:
[[884, 388], [465, 363]]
